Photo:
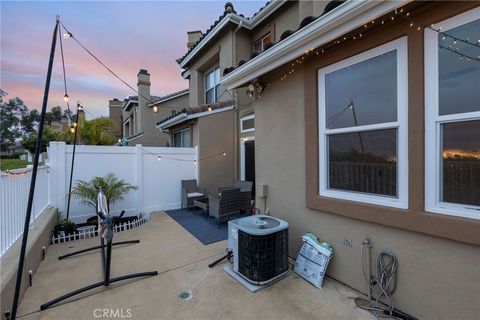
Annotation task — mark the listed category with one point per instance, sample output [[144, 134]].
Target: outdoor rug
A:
[[197, 224]]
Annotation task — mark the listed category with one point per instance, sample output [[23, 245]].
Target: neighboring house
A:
[[60, 125], [369, 129], [211, 129], [140, 113]]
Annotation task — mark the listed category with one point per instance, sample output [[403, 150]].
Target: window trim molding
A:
[[211, 70], [247, 117], [401, 201], [189, 129], [433, 122]]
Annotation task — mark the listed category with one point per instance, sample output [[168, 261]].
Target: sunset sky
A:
[[126, 35]]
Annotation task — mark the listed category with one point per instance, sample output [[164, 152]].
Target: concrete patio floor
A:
[[182, 262]]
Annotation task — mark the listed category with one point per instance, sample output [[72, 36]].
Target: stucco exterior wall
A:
[[437, 278], [152, 137], [216, 135]]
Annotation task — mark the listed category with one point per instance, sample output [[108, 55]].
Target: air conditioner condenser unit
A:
[[260, 250]]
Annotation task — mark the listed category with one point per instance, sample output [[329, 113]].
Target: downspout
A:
[[236, 135]]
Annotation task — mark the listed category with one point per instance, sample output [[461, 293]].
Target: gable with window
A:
[[363, 127], [452, 118], [212, 86]]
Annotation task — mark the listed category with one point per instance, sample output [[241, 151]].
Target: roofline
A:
[[235, 18], [341, 20], [169, 98], [124, 108], [184, 116]]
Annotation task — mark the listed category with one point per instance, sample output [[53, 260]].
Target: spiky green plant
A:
[[113, 188]]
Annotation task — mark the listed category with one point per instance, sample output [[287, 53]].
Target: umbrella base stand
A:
[[95, 248]]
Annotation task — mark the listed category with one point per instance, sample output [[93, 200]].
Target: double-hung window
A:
[[212, 86], [363, 104], [181, 138], [452, 116]]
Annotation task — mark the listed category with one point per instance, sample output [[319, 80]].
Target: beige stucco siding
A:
[[216, 135], [437, 278]]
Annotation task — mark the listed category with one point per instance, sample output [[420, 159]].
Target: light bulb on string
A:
[[67, 35], [195, 161], [209, 109], [72, 129], [159, 158], [224, 153], [65, 97], [74, 124], [155, 109]]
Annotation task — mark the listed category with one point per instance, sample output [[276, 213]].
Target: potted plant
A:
[[64, 227], [113, 188]]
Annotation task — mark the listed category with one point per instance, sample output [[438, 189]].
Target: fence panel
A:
[[14, 189]]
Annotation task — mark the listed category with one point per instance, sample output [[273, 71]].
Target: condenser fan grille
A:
[[262, 257]]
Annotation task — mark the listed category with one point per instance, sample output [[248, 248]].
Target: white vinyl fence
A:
[[157, 179], [14, 188]]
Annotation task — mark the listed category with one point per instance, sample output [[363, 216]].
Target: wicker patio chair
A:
[[190, 192], [245, 194], [226, 206]]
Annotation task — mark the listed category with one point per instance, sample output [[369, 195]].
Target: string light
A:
[[72, 129], [224, 154], [16, 174], [65, 97], [67, 35], [155, 109], [209, 109], [400, 13]]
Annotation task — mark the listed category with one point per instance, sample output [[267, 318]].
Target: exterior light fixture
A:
[[65, 97], [155, 109]]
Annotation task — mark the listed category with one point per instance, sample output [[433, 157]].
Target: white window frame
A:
[[401, 201], [181, 136], [261, 41], [215, 86], [433, 122], [244, 118]]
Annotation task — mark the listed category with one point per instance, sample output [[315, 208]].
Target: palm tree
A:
[[113, 188]]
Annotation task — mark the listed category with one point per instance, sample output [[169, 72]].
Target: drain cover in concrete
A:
[[185, 295]]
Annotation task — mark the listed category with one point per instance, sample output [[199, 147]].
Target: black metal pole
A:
[[95, 248], [73, 160], [21, 260]]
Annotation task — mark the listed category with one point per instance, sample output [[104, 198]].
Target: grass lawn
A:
[[9, 164]]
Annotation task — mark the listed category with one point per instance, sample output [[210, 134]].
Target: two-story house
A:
[[217, 120], [140, 113]]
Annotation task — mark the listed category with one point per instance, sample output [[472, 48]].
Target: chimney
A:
[[143, 85], [193, 37]]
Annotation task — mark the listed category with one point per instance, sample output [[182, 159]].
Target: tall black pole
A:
[[21, 260], [73, 159]]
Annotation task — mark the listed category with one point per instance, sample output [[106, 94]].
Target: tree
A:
[[97, 131], [48, 135], [55, 114], [113, 188], [29, 121], [11, 113]]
